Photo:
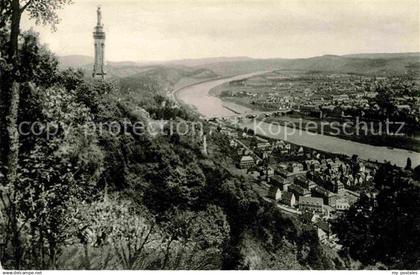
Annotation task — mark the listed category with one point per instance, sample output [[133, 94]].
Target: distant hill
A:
[[165, 77], [125, 69], [396, 64], [114, 69], [118, 71], [80, 61], [205, 61], [370, 63], [75, 61], [383, 55], [168, 76]]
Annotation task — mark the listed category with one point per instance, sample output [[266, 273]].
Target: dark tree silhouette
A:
[[408, 165]]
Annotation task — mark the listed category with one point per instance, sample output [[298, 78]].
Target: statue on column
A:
[[99, 16]]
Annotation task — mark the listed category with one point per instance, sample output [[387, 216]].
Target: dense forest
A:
[[385, 228]]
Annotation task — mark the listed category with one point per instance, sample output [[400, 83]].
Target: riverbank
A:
[[325, 128], [331, 144], [322, 127], [209, 106]]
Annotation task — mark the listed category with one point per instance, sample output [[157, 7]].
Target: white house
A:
[[274, 193], [342, 205]]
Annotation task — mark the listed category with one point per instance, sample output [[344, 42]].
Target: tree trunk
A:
[[87, 259], [53, 254], [11, 175], [12, 91], [41, 244], [13, 104], [14, 32], [13, 154], [16, 243], [8, 90], [167, 253], [3, 128]]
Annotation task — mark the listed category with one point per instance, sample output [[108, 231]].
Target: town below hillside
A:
[[362, 104]]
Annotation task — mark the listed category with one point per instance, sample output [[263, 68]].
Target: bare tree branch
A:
[[25, 6]]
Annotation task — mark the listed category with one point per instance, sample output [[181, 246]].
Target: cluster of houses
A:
[[314, 185], [319, 185], [326, 180], [335, 95], [361, 107], [262, 150]]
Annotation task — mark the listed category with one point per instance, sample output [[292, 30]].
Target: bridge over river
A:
[[198, 97]]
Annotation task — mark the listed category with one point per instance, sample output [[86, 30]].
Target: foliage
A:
[[37, 64], [44, 11], [119, 235], [87, 198], [384, 229], [388, 92], [416, 173]]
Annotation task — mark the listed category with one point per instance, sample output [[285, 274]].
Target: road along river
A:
[[198, 97]]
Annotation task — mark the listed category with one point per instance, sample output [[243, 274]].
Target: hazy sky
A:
[[139, 30]]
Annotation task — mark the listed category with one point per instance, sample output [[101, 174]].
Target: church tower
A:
[[99, 37]]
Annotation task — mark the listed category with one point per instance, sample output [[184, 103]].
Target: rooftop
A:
[[311, 201], [247, 158]]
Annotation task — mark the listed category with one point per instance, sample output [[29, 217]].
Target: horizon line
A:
[[238, 56]]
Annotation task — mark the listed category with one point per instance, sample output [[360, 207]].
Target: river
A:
[[198, 97]]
